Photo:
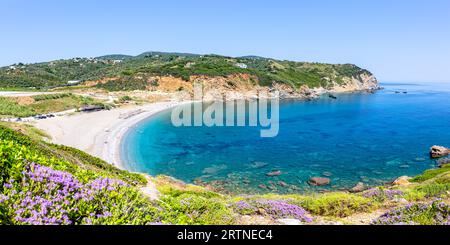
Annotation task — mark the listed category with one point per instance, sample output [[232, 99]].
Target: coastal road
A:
[[21, 93]]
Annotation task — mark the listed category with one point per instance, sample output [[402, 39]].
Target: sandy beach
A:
[[100, 133]]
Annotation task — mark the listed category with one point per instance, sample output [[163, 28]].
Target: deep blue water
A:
[[372, 138]]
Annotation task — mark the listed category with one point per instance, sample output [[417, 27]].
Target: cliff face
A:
[[241, 86], [361, 82], [244, 86]]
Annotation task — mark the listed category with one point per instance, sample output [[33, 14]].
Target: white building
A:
[[241, 65], [72, 82]]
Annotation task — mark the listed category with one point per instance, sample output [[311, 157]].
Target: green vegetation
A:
[[51, 96], [337, 204], [99, 193], [131, 73], [431, 173], [42, 104], [73, 160]]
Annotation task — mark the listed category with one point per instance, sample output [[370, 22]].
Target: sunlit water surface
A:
[[359, 137]]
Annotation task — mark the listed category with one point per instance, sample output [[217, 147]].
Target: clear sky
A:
[[398, 40]]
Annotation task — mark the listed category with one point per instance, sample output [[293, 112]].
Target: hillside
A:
[[26, 106], [122, 72], [43, 183]]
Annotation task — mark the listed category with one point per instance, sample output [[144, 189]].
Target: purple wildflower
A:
[[280, 209], [50, 197]]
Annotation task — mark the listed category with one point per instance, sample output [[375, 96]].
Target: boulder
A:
[[358, 187], [439, 151], [402, 181], [319, 181]]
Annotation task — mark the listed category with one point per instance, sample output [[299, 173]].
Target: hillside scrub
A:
[[129, 72]]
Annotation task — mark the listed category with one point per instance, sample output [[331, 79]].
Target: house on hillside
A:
[[241, 65]]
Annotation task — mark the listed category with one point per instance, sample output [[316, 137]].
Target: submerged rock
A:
[[262, 186], [402, 181], [282, 184], [257, 165], [319, 181], [214, 169], [327, 174], [358, 187], [437, 151], [274, 173], [420, 159]]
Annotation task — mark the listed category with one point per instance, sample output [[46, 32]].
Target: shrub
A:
[[336, 204], [244, 208], [15, 147], [51, 96], [125, 98], [191, 209], [431, 173], [281, 209], [46, 196], [436, 213], [380, 194], [434, 190]]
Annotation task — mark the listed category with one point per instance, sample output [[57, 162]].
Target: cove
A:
[[358, 137]]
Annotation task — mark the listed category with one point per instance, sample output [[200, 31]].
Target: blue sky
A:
[[401, 40]]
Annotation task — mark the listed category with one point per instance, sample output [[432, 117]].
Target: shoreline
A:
[[100, 133]]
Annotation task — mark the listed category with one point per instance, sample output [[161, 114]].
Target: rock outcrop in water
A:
[[274, 173], [439, 151], [319, 181], [358, 188], [401, 181]]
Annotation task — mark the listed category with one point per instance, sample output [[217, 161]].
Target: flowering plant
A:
[[381, 194], [49, 197], [274, 208], [436, 213]]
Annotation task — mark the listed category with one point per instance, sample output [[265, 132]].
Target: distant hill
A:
[[115, 57], [183, 65]]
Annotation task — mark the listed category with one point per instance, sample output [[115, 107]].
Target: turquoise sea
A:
[[358, 137]]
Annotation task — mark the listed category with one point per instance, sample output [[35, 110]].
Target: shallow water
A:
[[370, 138]]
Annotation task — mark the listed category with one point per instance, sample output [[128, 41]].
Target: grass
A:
[[9, 107], [431, 173], [192, 209], [337, 204], [42, 104], [29, 130], [434, 190]]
